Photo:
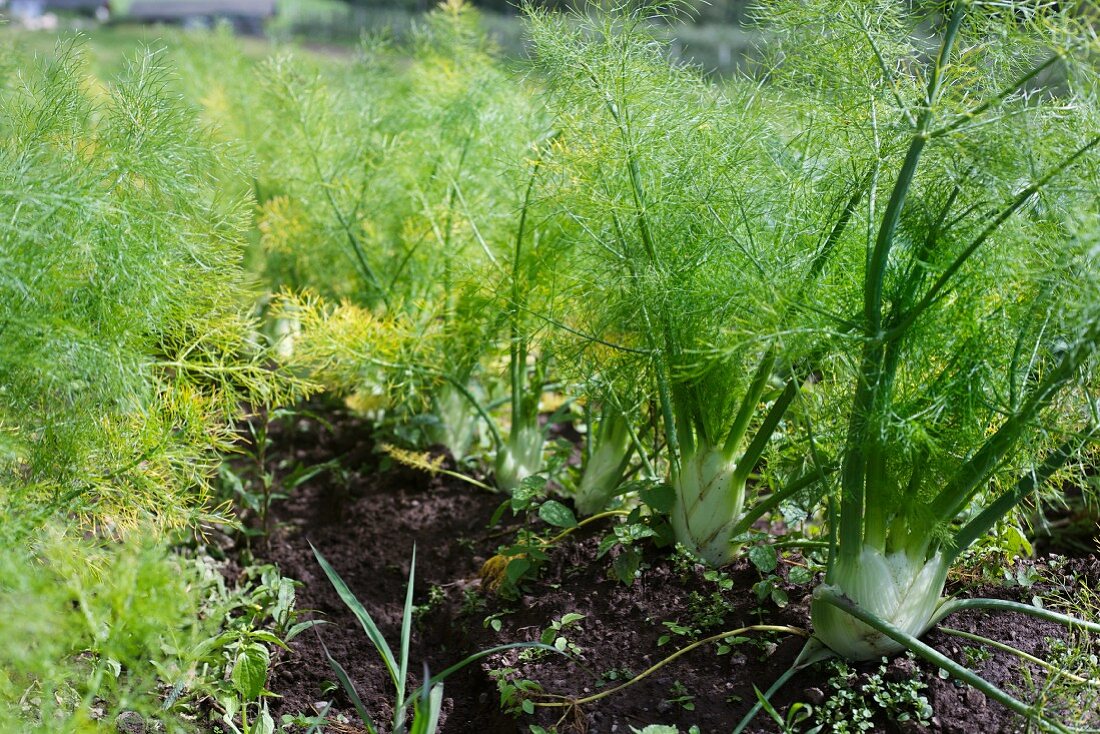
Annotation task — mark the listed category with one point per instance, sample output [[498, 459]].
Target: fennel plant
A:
[[974, 340], [126, 348], [686, 257], [396, 187]]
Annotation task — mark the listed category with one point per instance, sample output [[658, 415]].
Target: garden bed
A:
[[365, 521]]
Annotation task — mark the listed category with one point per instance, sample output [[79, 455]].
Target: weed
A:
[[857, 700], [516, 694], [680, 696]]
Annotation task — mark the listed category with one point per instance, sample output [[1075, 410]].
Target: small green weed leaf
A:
[[264, 724], [764, 558], [792, 513], [664, 534], [799, 575], [628, 532], [660, 497], [1015, 542], [250, 671], [606, 543], [517, 567], [529, 490], [303, 473], [498, 513], [555, 513], [626, 565], [301, 627], [231, 707], [269, 637], [284, 603]]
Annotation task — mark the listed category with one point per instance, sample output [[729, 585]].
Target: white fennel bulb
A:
[[901, 589]]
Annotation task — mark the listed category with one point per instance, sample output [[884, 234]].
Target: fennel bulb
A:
[[604, 470], [457, 421], [709, 499], [520, 457], [901, 589]]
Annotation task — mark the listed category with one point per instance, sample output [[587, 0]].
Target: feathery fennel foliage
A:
[[684, 254], [974, 372], [125, 353], [973, 357], [395, 185]]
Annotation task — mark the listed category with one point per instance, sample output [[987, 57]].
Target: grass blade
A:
[[406, 633], [349, 689], [362, 615], [426, 714]]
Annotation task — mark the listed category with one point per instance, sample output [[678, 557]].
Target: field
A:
[[517, 375]]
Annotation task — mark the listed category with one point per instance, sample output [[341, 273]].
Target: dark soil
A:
[[366, 520]]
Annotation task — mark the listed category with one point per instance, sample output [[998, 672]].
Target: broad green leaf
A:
[[268, 637], [764, 558], [264, 724], [660, 497], [626, 565], [516, 568], [250, 671], [555, 513], [799, 575], [529, 489]]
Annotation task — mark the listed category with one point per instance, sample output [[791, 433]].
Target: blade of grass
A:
[[406, 633], [361, 614], [349, 689]]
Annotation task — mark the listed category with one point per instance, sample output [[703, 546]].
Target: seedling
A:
[[425, 701]]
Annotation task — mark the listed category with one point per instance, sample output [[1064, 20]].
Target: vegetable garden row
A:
[[788, 354]]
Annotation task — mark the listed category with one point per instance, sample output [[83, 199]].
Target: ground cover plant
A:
[[668, 378]]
